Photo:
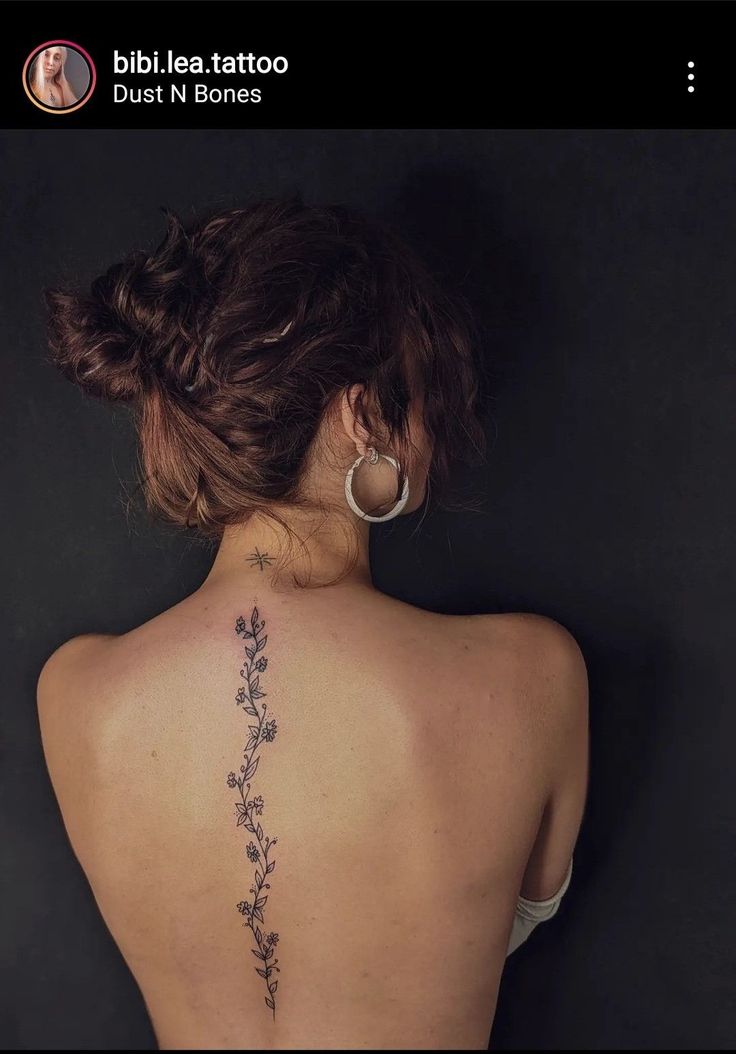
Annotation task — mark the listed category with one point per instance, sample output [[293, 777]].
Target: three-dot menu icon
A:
[[691, 76]]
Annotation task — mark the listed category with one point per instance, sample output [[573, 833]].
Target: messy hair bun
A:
[[234, 335], [133, 323]]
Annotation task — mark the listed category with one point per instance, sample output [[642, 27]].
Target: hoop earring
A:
[[372, 456]]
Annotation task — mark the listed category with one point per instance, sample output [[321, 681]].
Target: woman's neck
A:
[[316, 554]]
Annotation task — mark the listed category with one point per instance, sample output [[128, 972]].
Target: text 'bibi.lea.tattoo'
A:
[[248, 810]]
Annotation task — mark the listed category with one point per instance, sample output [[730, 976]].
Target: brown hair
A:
[[235, 334]]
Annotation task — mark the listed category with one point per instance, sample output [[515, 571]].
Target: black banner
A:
[[369, 63]]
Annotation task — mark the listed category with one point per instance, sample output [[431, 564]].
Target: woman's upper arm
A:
[[56, 696], [564, 694]]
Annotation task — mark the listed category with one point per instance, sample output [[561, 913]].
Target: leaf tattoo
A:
[[257, 851]]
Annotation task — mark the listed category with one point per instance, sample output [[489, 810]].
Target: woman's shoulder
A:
[[525, 673], [498, 637], [61, 672], [65, 710], [502, 644], [96, 689], [518, 640]]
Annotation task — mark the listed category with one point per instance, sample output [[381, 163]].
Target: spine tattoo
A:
[[246, 811]]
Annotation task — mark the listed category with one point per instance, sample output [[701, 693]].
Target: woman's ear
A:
[[355, 431]]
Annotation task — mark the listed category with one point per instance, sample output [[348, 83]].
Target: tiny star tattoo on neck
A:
[[260, 559]]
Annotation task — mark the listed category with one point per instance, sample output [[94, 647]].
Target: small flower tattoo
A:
[[257, 804], [253, 854], [232, 780], [261, 664], [244, 907], [268, 732]]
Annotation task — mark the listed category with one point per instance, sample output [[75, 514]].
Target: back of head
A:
[[233, 337]]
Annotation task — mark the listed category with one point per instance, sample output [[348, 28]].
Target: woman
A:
[[336, 860], [48, 80]]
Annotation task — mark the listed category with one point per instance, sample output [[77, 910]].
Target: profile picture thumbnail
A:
[[59, 76]]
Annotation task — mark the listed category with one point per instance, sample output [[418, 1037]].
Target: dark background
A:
[[602, 264]]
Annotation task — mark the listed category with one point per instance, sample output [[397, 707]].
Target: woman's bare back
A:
[[398, 793]]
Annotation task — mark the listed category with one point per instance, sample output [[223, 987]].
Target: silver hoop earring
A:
[[372, 456]]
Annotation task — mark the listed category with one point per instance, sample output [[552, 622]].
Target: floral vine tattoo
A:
[[246, 811]]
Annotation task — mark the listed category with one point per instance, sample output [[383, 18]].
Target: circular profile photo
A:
[[59, 76]]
